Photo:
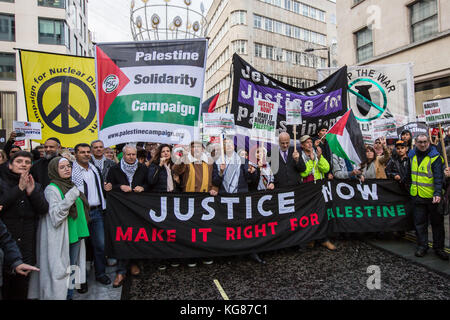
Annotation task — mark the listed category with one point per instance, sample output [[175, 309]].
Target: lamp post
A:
[[316, 49]]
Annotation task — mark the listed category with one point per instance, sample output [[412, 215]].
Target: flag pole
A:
[[444, 152]]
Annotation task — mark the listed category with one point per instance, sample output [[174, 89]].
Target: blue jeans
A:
[[97, 238], [74, 251]]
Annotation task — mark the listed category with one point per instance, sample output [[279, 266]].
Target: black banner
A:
[[321, 104], [188, 225]]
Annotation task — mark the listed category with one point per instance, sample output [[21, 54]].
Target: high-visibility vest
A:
[[422, 177]]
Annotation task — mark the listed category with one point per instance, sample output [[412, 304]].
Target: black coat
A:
[[117, 177], [39, 171], [157, 179], [288, 174], [108, 164], [21, 213], [12, 255]]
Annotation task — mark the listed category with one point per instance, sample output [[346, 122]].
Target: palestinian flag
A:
[[209, 105], [345, 139]]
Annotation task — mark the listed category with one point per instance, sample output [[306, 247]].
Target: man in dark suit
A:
[[290, 164]]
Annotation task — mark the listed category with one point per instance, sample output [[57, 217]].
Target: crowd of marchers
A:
[[53, 199]]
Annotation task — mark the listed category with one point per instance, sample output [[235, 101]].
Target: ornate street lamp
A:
[[160, 20]]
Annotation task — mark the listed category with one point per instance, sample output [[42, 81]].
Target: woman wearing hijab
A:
[[61, 249]]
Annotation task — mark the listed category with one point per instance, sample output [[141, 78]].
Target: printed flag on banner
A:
[[345, 139], [60, 94], [150, 91], [321, 104]]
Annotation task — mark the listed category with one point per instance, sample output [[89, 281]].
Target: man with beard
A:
[[39, 170]]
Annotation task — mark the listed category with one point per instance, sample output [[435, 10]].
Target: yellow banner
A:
[[60, 94]]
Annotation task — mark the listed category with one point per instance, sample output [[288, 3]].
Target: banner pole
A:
[[229, 88], [444, 152], [295, 138]]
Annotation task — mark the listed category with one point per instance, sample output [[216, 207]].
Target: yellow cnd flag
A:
[[60, 94]]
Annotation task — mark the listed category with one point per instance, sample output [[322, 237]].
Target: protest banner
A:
[[150, 91], [215, 124], [188, 225], [27, 130], [60, 95], [379, 91], [384, 128], [437, 112], [321, 104], [264, 121], [415, 128]]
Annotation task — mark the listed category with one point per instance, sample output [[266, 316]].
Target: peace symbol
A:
[[64, 108]]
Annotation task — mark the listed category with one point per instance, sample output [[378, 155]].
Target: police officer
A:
[[426, 191]]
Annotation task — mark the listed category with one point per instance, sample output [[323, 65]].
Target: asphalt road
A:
[[290, 274]]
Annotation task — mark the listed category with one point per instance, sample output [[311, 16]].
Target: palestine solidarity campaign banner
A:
[[150, 91], [321, 104], [188, 225]]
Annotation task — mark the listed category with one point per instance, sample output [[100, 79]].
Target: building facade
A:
[[56, 26], [271, 35], [401, 31]]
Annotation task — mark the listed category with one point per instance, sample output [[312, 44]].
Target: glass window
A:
[[7, 66], [240, 46], [6, 0], [7, 27], [269, 52], [258, 50], [287, 4], [305, 10], [268, 24], [53, 32], [277, 27], [8, 109], [364, 45], [52, 3], [424, 19], [257, 22]]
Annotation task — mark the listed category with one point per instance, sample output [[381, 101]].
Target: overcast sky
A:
[[109, 20]]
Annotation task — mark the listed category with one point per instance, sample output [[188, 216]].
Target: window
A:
[[7, 66], [7, 27], [6, 0], [257, 22], [53, 32], [258, 50], [268, 24], [239, 46], [52, 3], [269, 52], [424, 19], [277, 27], [8, 109], [364, 45], [238, 17]]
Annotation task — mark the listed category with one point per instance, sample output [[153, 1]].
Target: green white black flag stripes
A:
[[150, 91], [345, 139]]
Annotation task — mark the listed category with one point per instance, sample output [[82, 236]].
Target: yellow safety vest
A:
[[422, 177]]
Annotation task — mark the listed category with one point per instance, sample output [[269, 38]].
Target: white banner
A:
[[27, 130], [264, 121], [378, 92], [437, 112]]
